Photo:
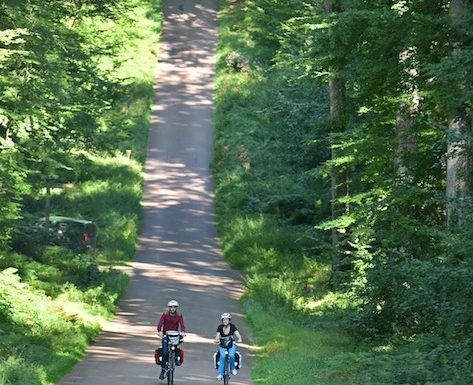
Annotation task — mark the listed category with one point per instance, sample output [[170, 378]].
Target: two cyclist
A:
[[172, 319]]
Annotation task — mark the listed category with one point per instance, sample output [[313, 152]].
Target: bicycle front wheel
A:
[[171, 363], [171, 377], [226, 376]]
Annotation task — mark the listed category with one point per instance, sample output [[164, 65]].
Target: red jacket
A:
[[168, 322]]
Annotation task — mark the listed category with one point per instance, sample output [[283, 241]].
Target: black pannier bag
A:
[[238, 359], [159, 359], [179, 356]]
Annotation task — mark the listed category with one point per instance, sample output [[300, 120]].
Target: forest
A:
[[342, 159], [76, 81], [343, 180]]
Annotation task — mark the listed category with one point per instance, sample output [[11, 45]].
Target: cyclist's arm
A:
[[238, 336], [182, 327], [217, 337], [160, 325]]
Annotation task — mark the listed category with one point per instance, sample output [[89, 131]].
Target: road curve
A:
[[179, 255]]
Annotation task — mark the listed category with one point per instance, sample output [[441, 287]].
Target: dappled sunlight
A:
[[211, 379], [178, 254], [190, 274], [170, 186]]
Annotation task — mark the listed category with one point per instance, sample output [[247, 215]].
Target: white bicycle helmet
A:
[[226, 315], [173, 302]]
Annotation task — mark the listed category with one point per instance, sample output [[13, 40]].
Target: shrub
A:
[[16, 371]]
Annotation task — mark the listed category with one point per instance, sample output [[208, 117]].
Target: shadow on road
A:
[[179, 255]]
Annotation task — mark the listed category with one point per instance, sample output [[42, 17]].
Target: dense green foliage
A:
[[405, 280], [77, 82]]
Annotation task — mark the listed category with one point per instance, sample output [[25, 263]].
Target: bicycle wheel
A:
[[171, 363], [226, 375], [171, 377]]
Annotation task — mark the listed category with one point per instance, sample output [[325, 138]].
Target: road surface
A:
[[179, 255]]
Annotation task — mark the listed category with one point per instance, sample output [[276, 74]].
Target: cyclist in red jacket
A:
[[171, 319]]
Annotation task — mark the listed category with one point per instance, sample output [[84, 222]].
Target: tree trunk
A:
[[458, 169], [458, 141], [459, 11], [47, 208], [338, 173], [339, 185], [334, 6], [406, 141]]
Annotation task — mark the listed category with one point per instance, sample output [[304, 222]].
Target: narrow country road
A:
[[178, 256]]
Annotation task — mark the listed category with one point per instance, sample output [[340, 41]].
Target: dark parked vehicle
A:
[[76, 233]]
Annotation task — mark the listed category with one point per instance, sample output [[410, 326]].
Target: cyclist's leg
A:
[[165, 352], [164, 347], [231, 354], [221, 365]]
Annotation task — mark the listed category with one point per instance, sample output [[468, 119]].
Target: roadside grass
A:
[[54, 301], [111, 195], [267, 143], [41, 335], [58, 302], [319, 349]]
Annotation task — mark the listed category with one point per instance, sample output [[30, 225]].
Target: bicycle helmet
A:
[[173, 302], [226, 315]]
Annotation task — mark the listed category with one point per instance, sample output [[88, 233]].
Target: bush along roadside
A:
[[271, 193], [54, 300]]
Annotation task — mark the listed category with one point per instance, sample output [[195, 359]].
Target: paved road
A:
[[179, 256]]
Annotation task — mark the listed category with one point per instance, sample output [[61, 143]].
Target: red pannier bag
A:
[[158, 356], [179, 357]]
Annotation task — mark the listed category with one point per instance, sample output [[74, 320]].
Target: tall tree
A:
[[405, 138], [55, 96], [458, 191], [337, 92]]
